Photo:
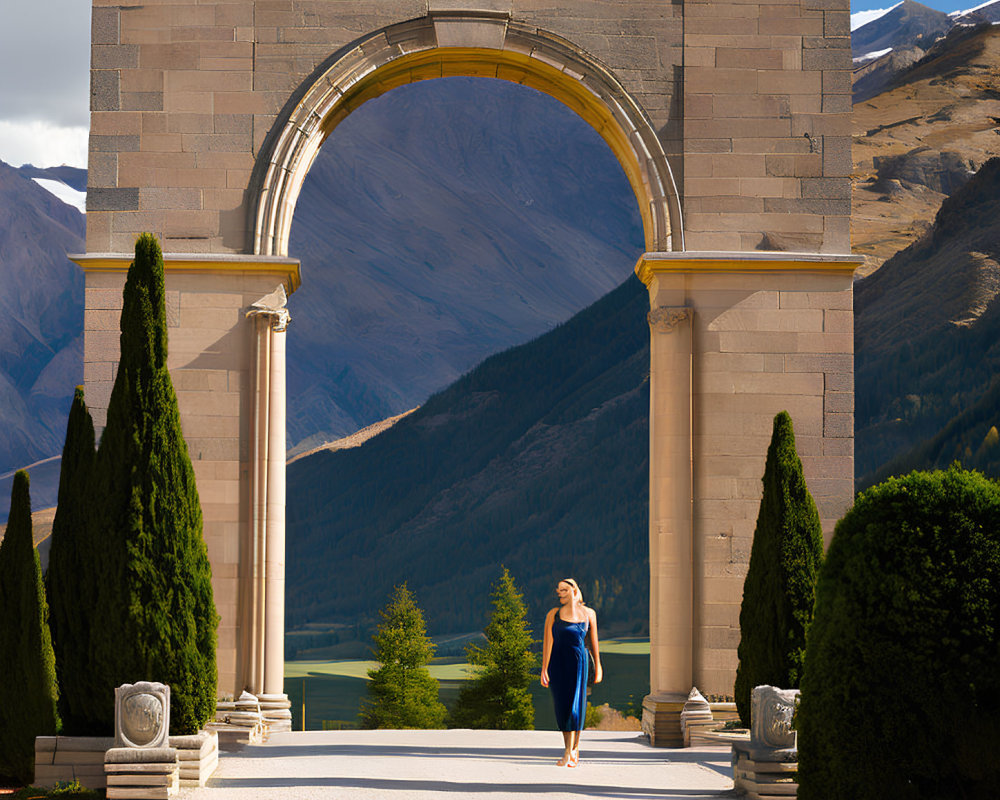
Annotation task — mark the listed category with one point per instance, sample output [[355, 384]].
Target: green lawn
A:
[[334, 689]]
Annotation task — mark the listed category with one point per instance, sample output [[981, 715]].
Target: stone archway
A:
[[472, 44], [206, 116]]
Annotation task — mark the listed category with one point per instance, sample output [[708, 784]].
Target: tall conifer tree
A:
[[498, 697], [70, 579], [27, 664], [402, 693], [155, 608], [780, 586]]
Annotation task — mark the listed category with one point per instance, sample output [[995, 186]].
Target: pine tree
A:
[[27, 664], [498, 697], [780, 585], [156, 613], [402, 693], [70, 582]]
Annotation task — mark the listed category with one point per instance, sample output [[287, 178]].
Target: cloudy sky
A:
[[44, 62], [44, 81]]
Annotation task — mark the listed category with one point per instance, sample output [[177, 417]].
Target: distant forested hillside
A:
[[537, 459], [927, 341]]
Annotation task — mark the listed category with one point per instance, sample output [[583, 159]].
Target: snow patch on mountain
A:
[[957, 14], [872, 55], [861, 18], [67, 194]]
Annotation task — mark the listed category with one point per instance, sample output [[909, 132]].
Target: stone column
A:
[[670, 524], [270, 467], [274, 558]]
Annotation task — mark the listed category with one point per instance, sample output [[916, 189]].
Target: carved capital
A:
[[666, 318], [273, 305]]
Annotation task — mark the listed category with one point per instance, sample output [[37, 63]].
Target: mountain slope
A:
[[927, 338], [41, 319], [537, 459], [442, 222], [906, 25], [922, 138]]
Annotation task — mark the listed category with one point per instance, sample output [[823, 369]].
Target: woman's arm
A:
[[595, 649], [547, 646]]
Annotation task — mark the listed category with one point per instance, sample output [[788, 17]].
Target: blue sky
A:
[[44, 77]]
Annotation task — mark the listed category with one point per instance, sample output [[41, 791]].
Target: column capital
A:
[[272, 305], [665, 318]]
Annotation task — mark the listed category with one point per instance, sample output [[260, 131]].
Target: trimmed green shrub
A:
[[27, 665], [69, 581], [901, 693], [498, 696], [402, 693], [779, 588], [155, 615]]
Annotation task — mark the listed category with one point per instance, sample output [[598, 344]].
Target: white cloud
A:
[[43, 144], [860, 18], [67, 194]]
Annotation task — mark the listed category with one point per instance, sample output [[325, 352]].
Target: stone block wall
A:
[[762, 342], [750, 100], [766, 140]]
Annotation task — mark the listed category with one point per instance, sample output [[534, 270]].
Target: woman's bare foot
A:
[[565, 760], [574, 759]]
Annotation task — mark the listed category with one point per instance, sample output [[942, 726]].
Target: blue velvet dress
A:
[[568, 668]]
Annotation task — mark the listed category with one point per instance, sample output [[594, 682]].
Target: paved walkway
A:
[[464, 764]]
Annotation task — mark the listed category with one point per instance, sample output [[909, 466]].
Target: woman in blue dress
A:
[[570, 630]]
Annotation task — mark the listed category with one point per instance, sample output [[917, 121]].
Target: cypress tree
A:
[[402, 693], [498, 697], [780, 584], [27, 664], [155, 607], [70, 581]]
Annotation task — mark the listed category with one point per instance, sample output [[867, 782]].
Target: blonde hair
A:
[[576, 589]]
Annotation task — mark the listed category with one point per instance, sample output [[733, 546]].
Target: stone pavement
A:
[[467, 764]]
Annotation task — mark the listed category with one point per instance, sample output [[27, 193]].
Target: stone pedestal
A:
[[197, 757], [696, 719], [766, 766], [661, 718], [137, 773]]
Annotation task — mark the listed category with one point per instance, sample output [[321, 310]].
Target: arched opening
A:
[[466, 45], [299, 181]]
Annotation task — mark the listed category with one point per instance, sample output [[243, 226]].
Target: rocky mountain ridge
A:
[[922, 138]]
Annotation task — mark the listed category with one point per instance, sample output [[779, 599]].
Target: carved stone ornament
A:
[[771, 711], [666, 318], [272, 305], [142, 715]]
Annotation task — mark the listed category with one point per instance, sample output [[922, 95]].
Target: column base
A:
[[661, 718], [277, 711]]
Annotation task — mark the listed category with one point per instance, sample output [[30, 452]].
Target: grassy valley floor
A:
[[332, 690]]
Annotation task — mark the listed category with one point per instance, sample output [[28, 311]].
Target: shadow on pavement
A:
[[403, 785]]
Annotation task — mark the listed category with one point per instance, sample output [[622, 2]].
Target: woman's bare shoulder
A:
[[591, 615], [552, 613]]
